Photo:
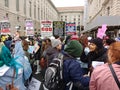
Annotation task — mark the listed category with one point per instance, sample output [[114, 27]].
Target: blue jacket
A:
[[72, 72]]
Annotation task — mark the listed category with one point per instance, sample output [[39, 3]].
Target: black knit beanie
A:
[[98, 42]]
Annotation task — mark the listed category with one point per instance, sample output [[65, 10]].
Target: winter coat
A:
[[99, 56], [72, 72], [51, 53], [102, 79], [37, 54]]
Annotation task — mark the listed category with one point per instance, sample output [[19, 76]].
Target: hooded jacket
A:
[[72, 71]]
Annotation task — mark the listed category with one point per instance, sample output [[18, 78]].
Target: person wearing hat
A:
[[104, 74], [54, 51], [97, 52], [72, 71]]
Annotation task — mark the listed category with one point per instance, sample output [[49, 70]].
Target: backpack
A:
[[53, 75]]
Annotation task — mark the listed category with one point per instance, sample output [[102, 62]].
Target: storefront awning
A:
[[100, 20]]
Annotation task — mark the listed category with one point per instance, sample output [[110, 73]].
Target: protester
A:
[[83, 58], [54, 51], [8, 42], [22, 59], [102, 78], [108, 42], [72, 71], [97, 52], [7, 66], [37, 54], [47, 47], [25, 48]]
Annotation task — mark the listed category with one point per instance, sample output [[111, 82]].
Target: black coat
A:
[[101, 55]]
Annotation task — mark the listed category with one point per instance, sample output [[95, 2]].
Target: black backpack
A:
[[54, 74]]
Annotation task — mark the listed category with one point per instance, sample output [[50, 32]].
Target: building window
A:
[[7, 15], [30, 12], [18, 18], [24, 6], [108, 11], [111, 3], [34, 11], [38, 13], [74, 19], [66, 20], [99, 3], [7, 3], [17, 5]]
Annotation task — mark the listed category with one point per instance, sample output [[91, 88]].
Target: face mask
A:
[[86, 50], [107, 47]]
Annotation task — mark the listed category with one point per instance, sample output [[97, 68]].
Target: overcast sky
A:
[[67, 3]]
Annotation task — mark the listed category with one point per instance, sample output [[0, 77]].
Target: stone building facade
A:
[[18, 11], [71, 14], [102, 12]]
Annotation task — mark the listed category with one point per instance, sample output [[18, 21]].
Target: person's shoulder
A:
[[71, 62], [101, 68]]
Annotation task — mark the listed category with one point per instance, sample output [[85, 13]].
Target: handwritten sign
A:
[[59, 28], [100, 34], [34, 84], [104, 28]]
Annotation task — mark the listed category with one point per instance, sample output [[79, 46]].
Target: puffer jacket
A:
[[72, 72]]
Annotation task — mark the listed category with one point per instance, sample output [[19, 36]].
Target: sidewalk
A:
[[39, 77]]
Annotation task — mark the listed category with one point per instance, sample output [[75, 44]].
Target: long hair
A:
[[114, 52], [25, 45], [83, 40]]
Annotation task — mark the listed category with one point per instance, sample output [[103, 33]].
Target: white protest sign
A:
[[46, 28], [34, 84], [3, 70], [96, 63]]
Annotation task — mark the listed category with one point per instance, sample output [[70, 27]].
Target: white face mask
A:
[[107, 47], [86, 50]]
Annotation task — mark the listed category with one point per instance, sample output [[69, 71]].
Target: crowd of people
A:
[[86, 60]]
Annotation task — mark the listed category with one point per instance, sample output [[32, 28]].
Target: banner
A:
[[29, 28], [5, 27], [70, 28], [46, 28], [59, 28]]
